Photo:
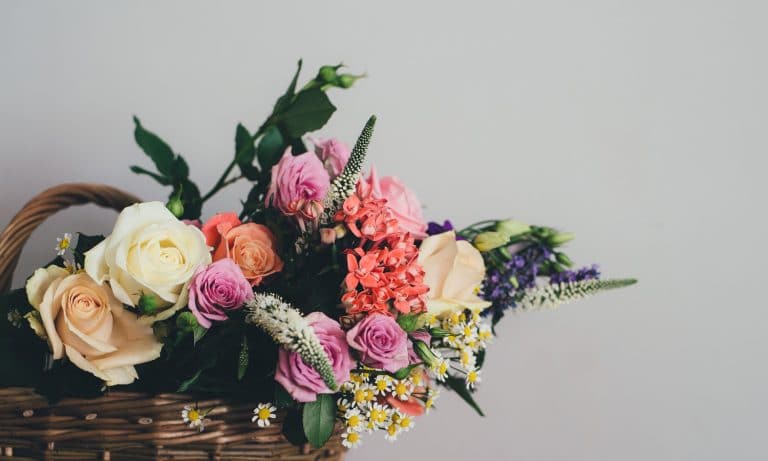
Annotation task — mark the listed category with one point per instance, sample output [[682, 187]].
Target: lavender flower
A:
[[585, 273], [505, 281]]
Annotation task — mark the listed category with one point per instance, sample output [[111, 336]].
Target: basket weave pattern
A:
[[122, 425]]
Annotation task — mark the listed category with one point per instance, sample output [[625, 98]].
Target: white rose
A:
[[453, 271], [150, 252], [85, 322]]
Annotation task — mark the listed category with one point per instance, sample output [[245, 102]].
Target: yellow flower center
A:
[[392, 430], [264, 413], [405, 422], [442, 368], [401, 389], [353, 437], [381, 385], [193, 415], [353, 421], [378, 416], [472, 377], [359, 396]]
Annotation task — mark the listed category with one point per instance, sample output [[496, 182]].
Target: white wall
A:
[[638, 125]]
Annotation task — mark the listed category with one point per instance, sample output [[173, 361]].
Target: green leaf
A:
[[160, 153], [480, 358], [242, 360], [282, 398], [187, 383], [285, 100], [318, 419], [190, 198], [198, 331], [409, 322], [245, 152], [293, 429], [457, 384], [186, 321], [161, 179], [271, 148], [309, 112]]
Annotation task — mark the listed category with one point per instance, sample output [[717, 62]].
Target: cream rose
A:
[[150, 252], [86, 322], [453, 271]]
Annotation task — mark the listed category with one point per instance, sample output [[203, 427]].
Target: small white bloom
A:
[[351, 439], [402, 389], [473, 378], [382, 385], [63, 243], [354, 420], [194, 417], [263, 413]]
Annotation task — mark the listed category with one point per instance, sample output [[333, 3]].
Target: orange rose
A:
[[252, 247], [216, 227]]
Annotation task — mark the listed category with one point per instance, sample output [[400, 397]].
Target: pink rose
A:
[[333, 153], [401, 200], [381, 342], [299, 184], [217, 289], [301, 380]]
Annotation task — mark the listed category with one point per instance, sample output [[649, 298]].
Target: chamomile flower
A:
[[343, 405], [432, 396], [467, 358], [402, 389], [404, 421], [63, 243], [485, 335], [378, 414], [473, 378], [354, 420], [440, 369], [263, 413], [417, 376], [194, 417], [71, 266], [363, 396], [382, 385], [393, 430], [351, 439]]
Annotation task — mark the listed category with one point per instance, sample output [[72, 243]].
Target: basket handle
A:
[[48, 202]]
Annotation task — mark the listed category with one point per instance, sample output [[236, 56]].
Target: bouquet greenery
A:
[[327, 296]]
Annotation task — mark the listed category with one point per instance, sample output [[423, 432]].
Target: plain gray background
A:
[[640, 126]]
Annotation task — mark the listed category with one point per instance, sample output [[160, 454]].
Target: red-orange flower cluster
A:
[[383, 271]]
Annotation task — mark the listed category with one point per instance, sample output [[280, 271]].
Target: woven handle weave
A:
[[36, 211]]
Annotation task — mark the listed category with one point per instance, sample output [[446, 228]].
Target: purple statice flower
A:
[[506, 280], [434, 228], [585, 273]]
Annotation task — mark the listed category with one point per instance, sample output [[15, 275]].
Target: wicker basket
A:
[[122, 425]]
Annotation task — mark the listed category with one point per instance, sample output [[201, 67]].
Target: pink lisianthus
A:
[[217, 289], [300, 379], [405, 207], [333, 153], [298, 187], [381, 342]]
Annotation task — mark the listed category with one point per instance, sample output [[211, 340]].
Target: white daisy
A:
[[194, 417], [263, 413], [473, 378], [351, 439], [63, 243], [354, 420], [382, 385]]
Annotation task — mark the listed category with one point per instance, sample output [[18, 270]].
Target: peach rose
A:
[[216, 227], [86, 322], [252, 247], [453, 270]]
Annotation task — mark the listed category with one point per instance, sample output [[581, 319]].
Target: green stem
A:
[[223, 181]]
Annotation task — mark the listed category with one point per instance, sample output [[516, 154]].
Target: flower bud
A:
[[563, 259], [490, 240], [425, 353], [559, 239], [512, 228], [347, 80], [438, 332], [175, 206], [148, 304], [327, 74]]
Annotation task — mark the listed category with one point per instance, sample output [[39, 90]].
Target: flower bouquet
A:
[[324, 310]]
